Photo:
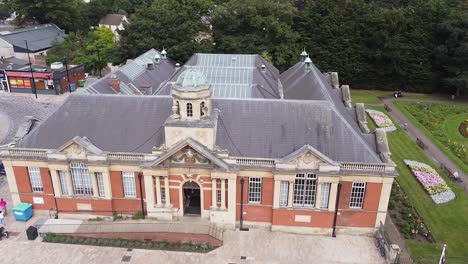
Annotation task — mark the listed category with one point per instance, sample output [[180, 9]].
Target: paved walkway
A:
[[432, 150], [396, 238]]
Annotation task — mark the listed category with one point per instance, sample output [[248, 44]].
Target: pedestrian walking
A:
[[2, 218], [3, 206]]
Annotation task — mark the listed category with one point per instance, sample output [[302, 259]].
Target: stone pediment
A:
[[189, 152], [307, 157], [78, 148]]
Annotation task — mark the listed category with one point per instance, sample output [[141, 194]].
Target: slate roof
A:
[[136, 72], [232, 76], [246, 127], [39, 37], [112, 19]]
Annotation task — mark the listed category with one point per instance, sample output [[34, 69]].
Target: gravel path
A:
[[432, 150]]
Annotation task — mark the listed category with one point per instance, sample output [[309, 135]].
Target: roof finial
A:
[[304, 55]]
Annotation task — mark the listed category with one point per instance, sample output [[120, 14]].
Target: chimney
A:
[[115, 83], [263, 68], [177, 66]]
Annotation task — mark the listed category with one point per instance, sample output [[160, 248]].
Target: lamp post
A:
[[140, 176], [33, 83], [68, 76], [336, 209], [241, 228]]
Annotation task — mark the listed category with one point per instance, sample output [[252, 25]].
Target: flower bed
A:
[[381, 120], [128, 243], [431, 181]]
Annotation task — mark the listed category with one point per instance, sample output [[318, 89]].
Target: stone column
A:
[[166, 189], [232, 201], [107, 185], [318, 196], [290, 194], [214, 200], [276, 194], [69, 183], [223, 194], [332, 200], [158, 191], [94, 183], [56, 183], [149, 191]]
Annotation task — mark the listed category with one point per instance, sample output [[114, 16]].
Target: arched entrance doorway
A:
[[192, 200]]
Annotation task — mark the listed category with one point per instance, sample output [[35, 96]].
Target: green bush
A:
[[138, 216], [96, 219]]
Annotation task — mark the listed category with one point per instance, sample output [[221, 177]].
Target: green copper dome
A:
[[191, 79]]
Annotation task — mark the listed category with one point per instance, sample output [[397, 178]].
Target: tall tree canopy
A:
[[70, 15], [173, 25], [258, 27]]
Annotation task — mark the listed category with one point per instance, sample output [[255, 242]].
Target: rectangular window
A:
[[218, 196], [357, 195], [325, 195], [63, 182], [255, 190], [163, 195], [284, 189], [128, 178], [305, 189], [100, 184], [35, 179], [81, 179]]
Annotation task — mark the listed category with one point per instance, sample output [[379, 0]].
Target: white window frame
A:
[[81, 179], [255, 190], [128, 183], [63, 182], [284, 193], [163, 194], [325, 194], [189, 109], [100, 183], [35, 179], [358, 192], [218, 197], [305, 190]]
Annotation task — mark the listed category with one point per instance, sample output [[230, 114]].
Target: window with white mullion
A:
[[305, 190], [218, 197], [128, 178], [163, 194], [357, 195], [35, 179], [284, 188], [63, 182], [255, 190], [81, 179], [325, 195], [100, 184]]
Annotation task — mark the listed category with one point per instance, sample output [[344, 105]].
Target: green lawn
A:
[[440, 123], [448, 223], [372, 96]]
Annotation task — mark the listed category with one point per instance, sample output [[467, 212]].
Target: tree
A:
[[258, 27], [173, 25], [69, 48], [451, 55], [70, 15], [98, 50]]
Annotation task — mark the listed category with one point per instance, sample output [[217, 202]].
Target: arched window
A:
[[189, 109], [202, 105]]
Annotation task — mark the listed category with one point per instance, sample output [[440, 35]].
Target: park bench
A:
[[421, 143]]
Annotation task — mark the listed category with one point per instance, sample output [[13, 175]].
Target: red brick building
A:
[[303, 153]]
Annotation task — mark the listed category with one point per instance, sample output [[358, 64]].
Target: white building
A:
[[114, 22]]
